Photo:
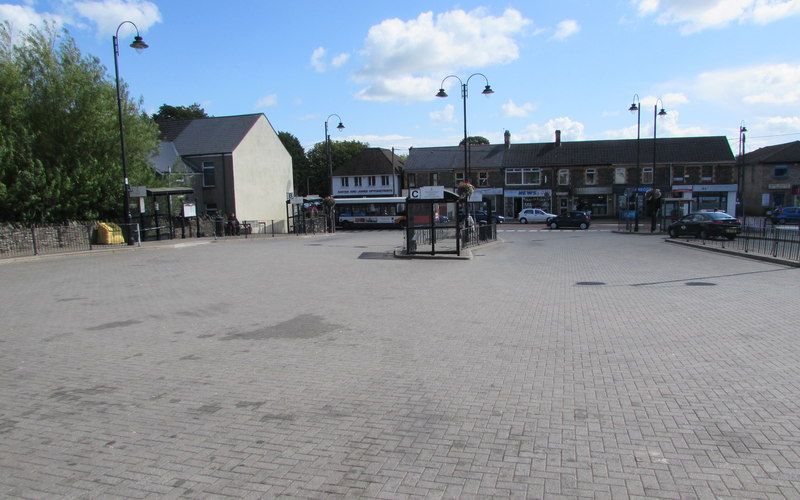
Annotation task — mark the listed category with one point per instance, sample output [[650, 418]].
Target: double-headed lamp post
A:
[[636, 107], [486, 91], [328, 152], [139, 45]]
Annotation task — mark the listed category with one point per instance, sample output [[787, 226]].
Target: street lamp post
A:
[[486, 91], [636, 106], [139, 45], [741, 176], [330, 163]]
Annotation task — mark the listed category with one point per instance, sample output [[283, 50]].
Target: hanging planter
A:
[[465, 189]]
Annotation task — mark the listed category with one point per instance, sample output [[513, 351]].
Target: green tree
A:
[[59, 139], [167, 112], [341, 152], [300, 164], [475, 140]]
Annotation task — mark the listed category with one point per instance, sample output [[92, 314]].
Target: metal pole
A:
[[126, 214], [638, 167], [466, 162]]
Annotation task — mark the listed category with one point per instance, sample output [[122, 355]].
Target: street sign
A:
[[138, 191]]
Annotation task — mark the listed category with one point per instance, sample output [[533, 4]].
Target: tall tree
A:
[[341, 152], [59, 141], [475, 140], [300, 164], [167, 112]]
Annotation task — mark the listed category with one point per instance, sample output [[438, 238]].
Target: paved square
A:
[[291, 366]]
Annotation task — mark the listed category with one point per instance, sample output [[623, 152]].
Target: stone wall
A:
[[18, 239]]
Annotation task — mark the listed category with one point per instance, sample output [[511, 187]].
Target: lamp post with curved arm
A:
[[330, 163], [636, 107], [486, 91], [741, 176], [139, 45]]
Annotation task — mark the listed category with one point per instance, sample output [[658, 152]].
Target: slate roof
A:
[[452, 158], [220, 134], [780, 153], [167, 160], [621, 151], [371, 161]]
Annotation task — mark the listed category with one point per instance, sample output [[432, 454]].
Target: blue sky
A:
[[572, 65]]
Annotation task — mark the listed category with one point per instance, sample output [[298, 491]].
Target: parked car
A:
[[481, 217], [441, 218], [785, 215], [533, 215], [706, 225], [573, 218]]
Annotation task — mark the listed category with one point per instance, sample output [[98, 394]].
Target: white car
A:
[[533, 215]]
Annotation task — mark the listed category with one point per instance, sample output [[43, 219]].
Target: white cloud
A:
[[106, 15], [766, 84], [566, 29], [267, 101], [693, 16], [570, 131], [513, 110], [668, 100], [318, 59], [446, 115], [383, 141], [402, 55], [310, 117], [339, 60], [770, 130], [21, 17]]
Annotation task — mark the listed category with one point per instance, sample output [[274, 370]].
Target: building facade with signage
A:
[[374, 172], [771, 178]]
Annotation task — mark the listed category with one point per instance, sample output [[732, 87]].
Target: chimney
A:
[[558, 138], [507, 139]]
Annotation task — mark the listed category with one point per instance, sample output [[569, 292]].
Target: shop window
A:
[[434, 179], [620, 176], [384, 180], [513, 176], [357, 181], [647, 175], [208, 174], [412, 180], [345, 181], [780, 172], [563, 177], [483, 178], [707, 173], [678, 173], [591, 176], [371, 180]]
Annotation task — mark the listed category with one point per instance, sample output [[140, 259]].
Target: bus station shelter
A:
[[432, 221]]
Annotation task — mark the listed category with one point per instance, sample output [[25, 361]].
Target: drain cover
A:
[[376, 255], [592, 283], [699, 283]]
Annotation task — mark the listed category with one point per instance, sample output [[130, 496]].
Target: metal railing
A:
[[782, 242], [19, 240]]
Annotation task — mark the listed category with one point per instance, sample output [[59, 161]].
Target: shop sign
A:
[[527, 193], [344, 191], [711, 188], [594, 190], [780, 186], [489, 191]]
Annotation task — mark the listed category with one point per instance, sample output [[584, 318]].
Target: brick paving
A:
[[291, 366]]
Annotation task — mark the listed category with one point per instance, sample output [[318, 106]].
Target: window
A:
[[211, 209], [620, 175], [384, 180], [357, 181], [591, 176], [412, 180], [459, 176], [563, 177], [345, 181], [208, 174], [780, 171], [434, 179], [516, 176], [707, 173], [513, 176], [678, 173], [371, 180], [647, 175], [483, 178]]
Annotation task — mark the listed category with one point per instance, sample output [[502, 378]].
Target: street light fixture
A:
[[636, 107], [486, 91], [328, 152], [139, 45], [741, 176]]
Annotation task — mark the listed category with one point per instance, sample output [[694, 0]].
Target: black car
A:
[[581, 220], [706, 225], [481, 217]]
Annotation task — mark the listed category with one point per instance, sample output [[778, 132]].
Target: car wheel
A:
[[703, 234], [523, 220], [553, 225], [673, 233], [730, 237], [584, 225]]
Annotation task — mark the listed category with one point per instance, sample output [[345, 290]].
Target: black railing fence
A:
[[782, 242]]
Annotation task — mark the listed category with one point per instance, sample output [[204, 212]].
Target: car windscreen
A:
[[719, 216]]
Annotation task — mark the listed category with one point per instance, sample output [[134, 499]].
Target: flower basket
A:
[[464, 189]]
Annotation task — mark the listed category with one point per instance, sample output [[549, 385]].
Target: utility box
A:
[[109, 233]]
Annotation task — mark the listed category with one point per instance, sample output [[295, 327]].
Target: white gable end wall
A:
[[262, 175]]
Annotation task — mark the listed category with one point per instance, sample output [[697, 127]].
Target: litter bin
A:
[[109, 234], [219, 226]]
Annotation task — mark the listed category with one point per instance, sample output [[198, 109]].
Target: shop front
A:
[[493, 196], [597, 200], [517, 199], [781, 195], [720, 197]]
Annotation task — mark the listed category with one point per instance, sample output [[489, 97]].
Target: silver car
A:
[[533, 215]]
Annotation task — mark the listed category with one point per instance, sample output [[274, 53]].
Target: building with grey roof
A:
[[372, 172], [771, 177]]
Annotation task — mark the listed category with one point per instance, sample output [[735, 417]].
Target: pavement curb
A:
[[735, 253]]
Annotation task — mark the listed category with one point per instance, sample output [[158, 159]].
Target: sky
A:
[[571, 65]]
